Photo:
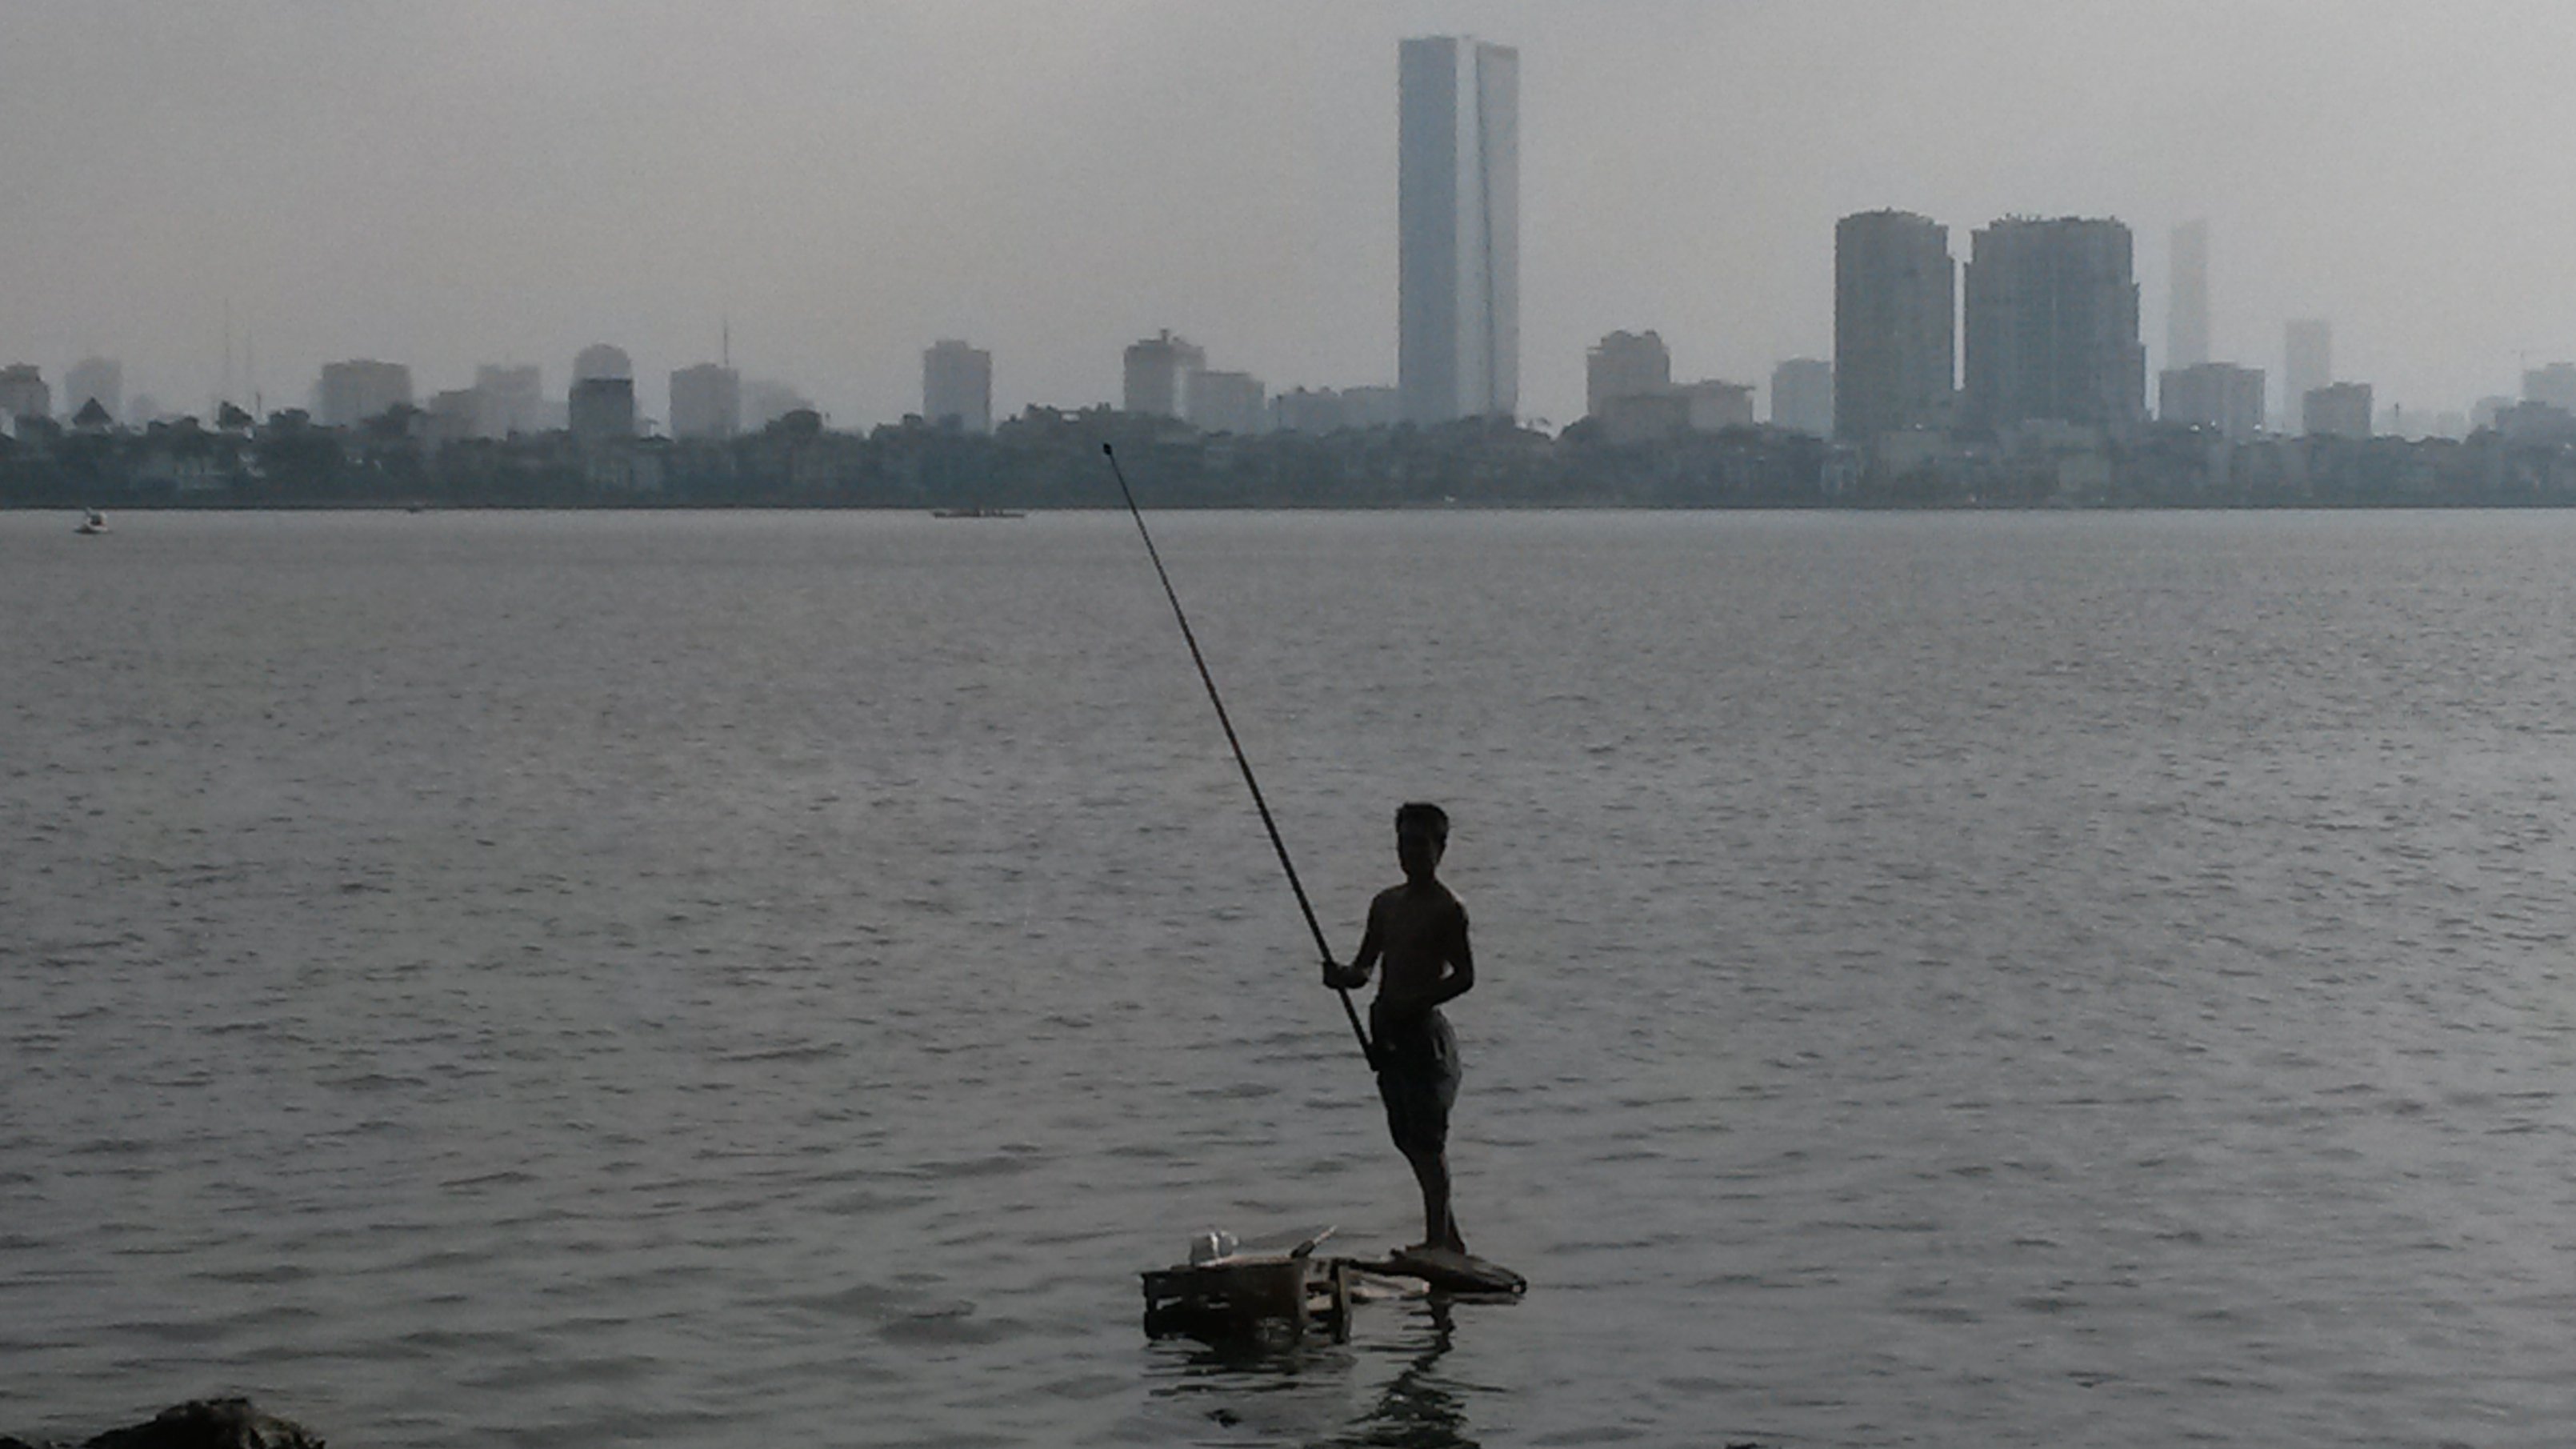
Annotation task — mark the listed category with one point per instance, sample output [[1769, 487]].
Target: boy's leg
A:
[[1439, 1225]]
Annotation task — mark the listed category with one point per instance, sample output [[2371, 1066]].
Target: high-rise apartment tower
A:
[[1458, 229], [2053, 326], [1894, 340]]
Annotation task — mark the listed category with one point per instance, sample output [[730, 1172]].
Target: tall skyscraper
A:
[[706, 401], [2053, 325], [2187, 304], [2307, 363], [1458, 229], [1625, 364], [1895, 344], [957, 382], [1802, 395]]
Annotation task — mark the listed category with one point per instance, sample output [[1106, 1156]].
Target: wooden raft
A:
[[1251, 1294], [1290, 1294]]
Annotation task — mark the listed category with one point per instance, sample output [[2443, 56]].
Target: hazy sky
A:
[[460, 181]]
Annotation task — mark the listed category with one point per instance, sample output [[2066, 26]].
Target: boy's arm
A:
[[1462, 966], [1356, 975]]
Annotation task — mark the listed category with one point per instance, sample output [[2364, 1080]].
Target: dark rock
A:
[[201, 1424]]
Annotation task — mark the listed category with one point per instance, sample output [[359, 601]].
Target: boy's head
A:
[[1421, 837]]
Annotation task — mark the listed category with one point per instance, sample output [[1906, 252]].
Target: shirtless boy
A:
[[1420, 931]]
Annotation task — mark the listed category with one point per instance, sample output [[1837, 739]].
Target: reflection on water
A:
[[1323, 1394], [1419, 1409]]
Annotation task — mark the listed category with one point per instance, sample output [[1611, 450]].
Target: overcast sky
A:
[[460, 181]]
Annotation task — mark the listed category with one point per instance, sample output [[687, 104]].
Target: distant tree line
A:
[[1050, 458]]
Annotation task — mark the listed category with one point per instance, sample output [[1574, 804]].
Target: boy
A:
[[1420, 931]]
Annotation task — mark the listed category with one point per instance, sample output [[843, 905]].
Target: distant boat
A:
[[92, 521], [977, 513]]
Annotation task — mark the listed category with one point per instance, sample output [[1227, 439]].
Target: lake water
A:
[[569, 980]]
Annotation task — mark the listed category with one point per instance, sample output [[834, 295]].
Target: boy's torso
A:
[[1417, 934]]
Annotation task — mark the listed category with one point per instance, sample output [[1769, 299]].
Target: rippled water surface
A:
[[775, 979]]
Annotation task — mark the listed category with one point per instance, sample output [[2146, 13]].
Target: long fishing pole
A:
[[1190, 638]]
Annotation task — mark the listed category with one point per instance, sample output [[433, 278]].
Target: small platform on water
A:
[[1287, 1291], [1449, 1272]]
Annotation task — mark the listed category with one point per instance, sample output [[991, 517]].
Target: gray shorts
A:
[[1417, 1077]]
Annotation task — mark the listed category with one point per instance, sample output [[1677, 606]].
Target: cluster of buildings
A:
[[2047, 350], [1629, 394], [93, 393], [708, 400], [2032, 343]]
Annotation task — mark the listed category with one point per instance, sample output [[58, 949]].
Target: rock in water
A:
[[202, 1424]]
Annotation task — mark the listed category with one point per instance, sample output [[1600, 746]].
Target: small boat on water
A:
[[978, 513], [92, 521]]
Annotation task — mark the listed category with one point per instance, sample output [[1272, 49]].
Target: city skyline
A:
[[526, 183]]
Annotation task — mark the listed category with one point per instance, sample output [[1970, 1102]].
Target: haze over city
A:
[[469, 183]]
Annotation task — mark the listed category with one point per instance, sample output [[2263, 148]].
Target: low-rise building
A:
[[1225, 402], [351, 392], [1157, 375], [1625, 364], [1643, 417], [706, 402], [2217, 395], [603, 410], [453, 416], [2554, 384], [2337, 410], [1315, 411], [1373, 406], [1712, 405], [23, 393], [1802, 395]]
